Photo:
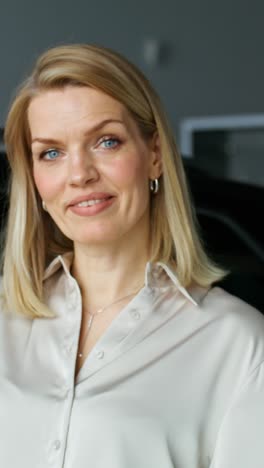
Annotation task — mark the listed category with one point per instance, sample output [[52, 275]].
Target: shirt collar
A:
[[64, 261], [156, 274]]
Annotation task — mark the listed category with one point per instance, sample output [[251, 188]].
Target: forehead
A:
[[72, 107]]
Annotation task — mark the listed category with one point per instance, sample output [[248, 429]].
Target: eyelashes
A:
[[110, 142], [106, 143], [50, 154]]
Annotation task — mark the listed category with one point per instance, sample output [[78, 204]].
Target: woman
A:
[[115, 348]]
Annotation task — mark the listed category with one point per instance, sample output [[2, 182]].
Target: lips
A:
[[90, 200], [91, 205]]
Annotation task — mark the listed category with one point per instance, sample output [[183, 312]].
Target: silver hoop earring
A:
[[154, 186], [44, 206]]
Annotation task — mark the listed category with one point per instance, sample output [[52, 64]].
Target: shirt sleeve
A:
[[240, 442]]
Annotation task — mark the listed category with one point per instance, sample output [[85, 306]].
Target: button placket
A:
[[55, 456], [70, 344]]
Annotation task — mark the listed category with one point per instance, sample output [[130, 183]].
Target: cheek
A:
[[47, 186], [130, 172]]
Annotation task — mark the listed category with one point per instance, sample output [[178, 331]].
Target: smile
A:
[[91, 202], [92, 207]]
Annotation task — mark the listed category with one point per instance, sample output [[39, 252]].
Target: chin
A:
[[96, 237]]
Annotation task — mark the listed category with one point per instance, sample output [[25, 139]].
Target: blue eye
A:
[[110, 143], [51, 154]]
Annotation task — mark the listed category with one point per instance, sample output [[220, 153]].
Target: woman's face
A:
[[91, 165]]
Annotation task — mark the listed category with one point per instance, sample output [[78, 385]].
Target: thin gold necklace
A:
[[99, 311]]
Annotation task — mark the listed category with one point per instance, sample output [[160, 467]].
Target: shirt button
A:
[[56, 444], [135, 314], [99, 354], [148, 291]]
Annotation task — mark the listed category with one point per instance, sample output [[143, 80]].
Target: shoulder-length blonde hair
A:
[[32, 239]]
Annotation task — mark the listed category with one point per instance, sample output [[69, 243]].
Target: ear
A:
[[155, 160]]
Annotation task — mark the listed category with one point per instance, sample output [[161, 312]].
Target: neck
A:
[[105, 274]]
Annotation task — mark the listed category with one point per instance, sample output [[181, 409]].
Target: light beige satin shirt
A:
[[177, 381]]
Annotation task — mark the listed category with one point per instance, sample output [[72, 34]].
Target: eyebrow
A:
[[93, 129]]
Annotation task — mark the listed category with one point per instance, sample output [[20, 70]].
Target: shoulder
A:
[[237, 323], [231, 307]]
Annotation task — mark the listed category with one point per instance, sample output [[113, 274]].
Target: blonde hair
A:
[[32, 239]]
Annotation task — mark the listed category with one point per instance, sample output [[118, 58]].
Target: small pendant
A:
[[89, 324], [90, 321]]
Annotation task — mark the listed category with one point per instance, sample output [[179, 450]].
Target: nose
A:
[[81, 169]]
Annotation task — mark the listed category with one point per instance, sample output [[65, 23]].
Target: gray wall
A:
[[214, 61]]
